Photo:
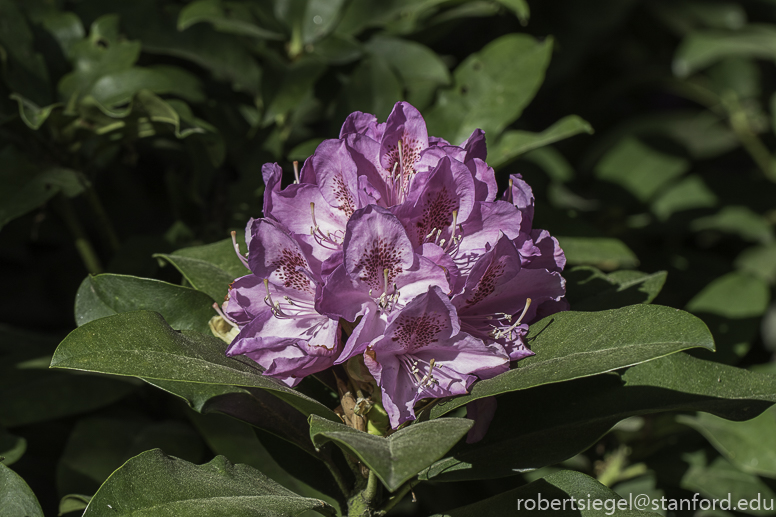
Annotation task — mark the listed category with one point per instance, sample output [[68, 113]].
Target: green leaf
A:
[[16, 498], [687, 194], [28, 396], [372, 88], [738, 220], [400, 456], [552, 162], [750, 445], [253, 406], [103, 52], [560, 420], [288, 85], [23, 187], [759, 261], [320, 18], [32, 114], [734, 295], [513, 143], [173, 487], [418, 67], [21, 67], [209, 268], [519, 7], [141, 344], [238, 442], [212, 11], [569, 345], [338, 49], [555, 490], [705, 47], [601, 252], [98, 446], [120, 86], [639, 169], [104, 295], [490, 88], [718, 479], [73, 503], [11, 447], [588, 289]]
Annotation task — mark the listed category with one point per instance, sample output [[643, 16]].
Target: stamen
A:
[[452, 227], [237, 249], [498, 334], [296, 171], [326, 240]]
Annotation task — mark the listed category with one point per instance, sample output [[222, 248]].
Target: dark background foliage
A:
[[129, 129]]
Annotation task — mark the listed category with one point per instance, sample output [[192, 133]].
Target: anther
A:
[[296, 171]]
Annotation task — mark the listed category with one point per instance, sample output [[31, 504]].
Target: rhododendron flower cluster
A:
[[391, 247]]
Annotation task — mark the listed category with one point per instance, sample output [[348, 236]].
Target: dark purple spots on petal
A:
[[343, 196], [287, 272], [414, 332], [487, 283], [381, 255], [438, 210]]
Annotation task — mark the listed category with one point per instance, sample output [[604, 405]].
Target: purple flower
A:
[[424, 354], [401, 235]]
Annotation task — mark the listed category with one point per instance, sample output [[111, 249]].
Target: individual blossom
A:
[[274, 308], [424, 354]]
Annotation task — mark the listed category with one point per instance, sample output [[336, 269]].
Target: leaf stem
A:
[[398, 496], [102, 217], [82, 243]]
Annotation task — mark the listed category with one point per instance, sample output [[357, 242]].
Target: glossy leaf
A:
[[400, 456], [173, 487], [750, 445], [549, 424], [141, 344], [209, 268], [104, 295], [490, 88], [570, 345], [602, 252], [513, 143], [561, 420], [735, 295], [554, 490], [16, 498], [639, 169], [588, 289]]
